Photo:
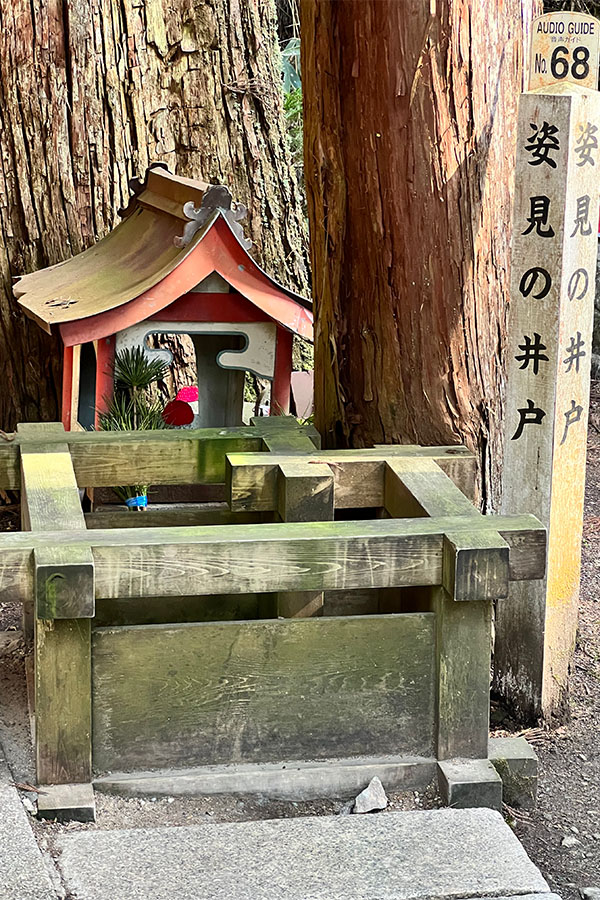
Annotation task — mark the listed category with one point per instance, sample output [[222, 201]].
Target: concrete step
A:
[[23, 873], [446, 853]]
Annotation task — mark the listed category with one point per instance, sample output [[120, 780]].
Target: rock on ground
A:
[[373, 798]]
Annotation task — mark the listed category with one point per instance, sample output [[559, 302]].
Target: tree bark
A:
[[90, 94], [410, 123]]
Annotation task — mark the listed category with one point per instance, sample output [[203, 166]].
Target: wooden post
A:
[[304, 494], [280, 388], [475, 569], [555, 222], [64, 600], [67, 387], [105, 361]]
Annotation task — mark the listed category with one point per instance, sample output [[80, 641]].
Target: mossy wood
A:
[[166, 514], [140, 562], [305, 493], [106, 459], [191, 664], [360, 476], [63, 588], [263, 691]]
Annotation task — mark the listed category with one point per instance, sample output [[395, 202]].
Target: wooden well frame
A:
[[228, 634]]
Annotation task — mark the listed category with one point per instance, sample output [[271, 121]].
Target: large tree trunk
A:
[[410, 124], [90, 94]]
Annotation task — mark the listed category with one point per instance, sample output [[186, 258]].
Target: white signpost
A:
[[564, 47], [555, 224]]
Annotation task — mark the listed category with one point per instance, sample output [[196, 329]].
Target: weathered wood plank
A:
[[359, 474], [379, 553], [305, 494], [270, 425], [104, 458], [419, 487], [476, 563], [268, 691], [63, 581], [64, 575], [63, 701], [475, 567], [463, 649], [458, 462], [167, 514]]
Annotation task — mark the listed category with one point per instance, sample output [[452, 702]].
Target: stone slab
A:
[[465, 783], [23, 873], [386, 856], [67, 803], [293, 780], [516, 763], [521, 897]]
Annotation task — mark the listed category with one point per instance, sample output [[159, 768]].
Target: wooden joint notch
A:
[[458, 462], [251, 482], [417, 486], [475, 565], [286, 424], [64, 583], [305, 492]]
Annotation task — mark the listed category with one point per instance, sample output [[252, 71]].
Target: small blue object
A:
[[137, 502]]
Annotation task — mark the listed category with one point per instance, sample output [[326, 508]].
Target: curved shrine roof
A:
[[144, 264]]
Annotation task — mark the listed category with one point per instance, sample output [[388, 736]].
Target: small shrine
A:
[[178, 263]]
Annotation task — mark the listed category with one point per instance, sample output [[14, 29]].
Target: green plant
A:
[[134, 371], [131, 408], [291, 65], [292, 100], [292, 107]]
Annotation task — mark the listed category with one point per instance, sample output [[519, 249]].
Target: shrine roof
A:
[[175, 232]]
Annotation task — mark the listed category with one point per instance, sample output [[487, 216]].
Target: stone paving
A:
[[397, 856], [24, 874]]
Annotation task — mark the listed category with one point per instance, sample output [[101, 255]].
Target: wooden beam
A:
[[63, 701], [50, 501], [163, 515], [364, 684], [303, 493], [380, 553], [107, 458], [458, 462], [63, 581], [358, 474], [417, 486], [463, 651], [476, 563]]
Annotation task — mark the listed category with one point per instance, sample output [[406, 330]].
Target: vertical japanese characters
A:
[[555, 240], [548, 221]]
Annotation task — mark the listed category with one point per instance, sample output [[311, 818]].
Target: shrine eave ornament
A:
[[175, 233]]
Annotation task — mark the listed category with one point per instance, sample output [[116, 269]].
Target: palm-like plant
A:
[[131, 408]]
